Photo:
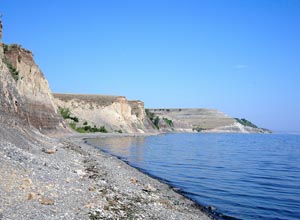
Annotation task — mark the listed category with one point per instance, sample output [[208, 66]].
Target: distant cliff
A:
[[25, 93], [114, 113], [199, 120]]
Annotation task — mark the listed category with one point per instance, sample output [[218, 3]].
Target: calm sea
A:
[[245, 176]]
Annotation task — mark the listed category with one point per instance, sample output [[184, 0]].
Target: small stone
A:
[[47, 201], [90, 205], [80, 172], [50, 151], [133, 180], [31, 196], [27, 181], [106, 207], [149, 188], [91, 189], [211, 208]]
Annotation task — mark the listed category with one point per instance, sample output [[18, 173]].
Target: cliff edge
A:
[[200, 120], [114, 113], [25, 92]]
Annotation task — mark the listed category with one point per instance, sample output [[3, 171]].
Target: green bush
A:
[[245, 122], [153, 119], [169, 122], [149, 114], [102, 129], [87, 128], [65, 112], [156, 122], [75, 119], [199, 129]]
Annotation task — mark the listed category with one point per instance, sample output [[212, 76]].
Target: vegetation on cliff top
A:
[[12, 69], [245, 122]]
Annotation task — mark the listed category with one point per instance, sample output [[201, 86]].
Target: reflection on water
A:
[[127, 147], [246, 176]]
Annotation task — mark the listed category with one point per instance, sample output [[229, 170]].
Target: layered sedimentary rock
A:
[[201, 120], [116, 113], [24, 90]]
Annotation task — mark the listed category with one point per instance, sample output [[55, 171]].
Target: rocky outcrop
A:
[[25, 92], [115, 113], [199, 120]]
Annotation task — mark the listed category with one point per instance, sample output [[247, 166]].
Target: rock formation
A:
[[25, 92], [25, 96], [116, 113], [200, 120]]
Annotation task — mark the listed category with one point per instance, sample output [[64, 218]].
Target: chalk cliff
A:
[[116, 113]]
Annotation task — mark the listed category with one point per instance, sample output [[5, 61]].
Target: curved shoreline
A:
[[143, 179], [208, 210]]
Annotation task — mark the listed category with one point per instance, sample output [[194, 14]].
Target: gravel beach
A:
[[64, 178]]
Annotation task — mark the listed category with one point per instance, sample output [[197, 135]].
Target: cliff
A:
[[115, 113], [26, 96], [200, 120], [25, 92]]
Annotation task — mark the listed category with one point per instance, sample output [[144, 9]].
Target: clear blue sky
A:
[[239, 56]]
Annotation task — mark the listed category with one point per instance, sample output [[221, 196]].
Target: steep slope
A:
[[201, 119], [25, 93], [115, 113]]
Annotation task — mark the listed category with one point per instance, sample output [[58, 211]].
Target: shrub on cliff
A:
[[156, 122], [65, 112], [169, 122], [245, 122], [13, 71], [153, 119]]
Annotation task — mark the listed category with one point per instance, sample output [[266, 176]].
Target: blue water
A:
[[246, 176]]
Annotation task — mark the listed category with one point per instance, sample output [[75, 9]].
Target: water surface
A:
[[246, 176]]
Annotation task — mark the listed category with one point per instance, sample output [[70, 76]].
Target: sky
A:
[[241, 57]]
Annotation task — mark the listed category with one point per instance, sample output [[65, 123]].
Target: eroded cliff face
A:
[[200, 120], [10, 99], [116, 113], [24, 91]]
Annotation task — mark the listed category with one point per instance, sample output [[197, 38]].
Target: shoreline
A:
[[61, 177], [207, 210], [161, 184]]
